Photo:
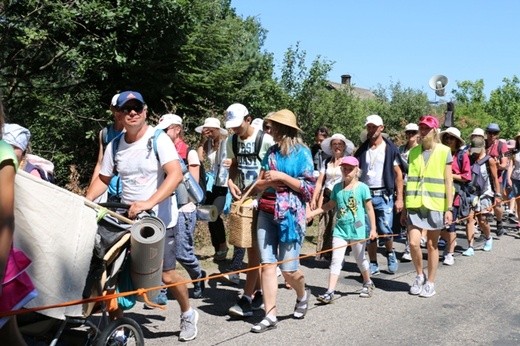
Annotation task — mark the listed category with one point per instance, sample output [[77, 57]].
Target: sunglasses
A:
[[493, 133], [128, 109], [411, 133]]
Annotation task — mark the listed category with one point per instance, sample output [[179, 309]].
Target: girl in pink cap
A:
[[352, 199]]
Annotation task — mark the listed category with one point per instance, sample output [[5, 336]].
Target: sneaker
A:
[[423, 242], [120, 338], [469, 252], [428, 290], [381, 242], [417, 285], [258, 301], [488, 244], [199, 286], [278, 272], [374, 269], [326, 298], [242, 308], [500, 231], [442, 243], [393, 265], [220, 255], [160, 299], [449, 260], [189, 327], [233, 278], [406, 257], [366, 291]]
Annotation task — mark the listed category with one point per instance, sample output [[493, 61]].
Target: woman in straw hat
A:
[[336, 147], [461, 172], [213, 147], [287, 172]]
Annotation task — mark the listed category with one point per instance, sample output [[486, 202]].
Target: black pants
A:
[[216, 228]]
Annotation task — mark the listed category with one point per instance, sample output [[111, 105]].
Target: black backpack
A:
[[258, 145]]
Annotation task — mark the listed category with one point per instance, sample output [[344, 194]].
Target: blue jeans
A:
[[271, 250], [184, 242], [383, 208]]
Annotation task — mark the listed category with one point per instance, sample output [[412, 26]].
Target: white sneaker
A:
[[417, 285], [423, 242], [407, 257], [449, 260], [278, 272], [233, 278], [428, 290]]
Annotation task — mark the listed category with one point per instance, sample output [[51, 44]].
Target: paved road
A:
[[477, 302]]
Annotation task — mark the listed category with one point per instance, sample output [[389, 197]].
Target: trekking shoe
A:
[[393, 265], [242, 308], [258, 301], [406, 257], [417, 285], [189, 327], [233, 278], [428, 290], [366, 291], [469, 252], [326, 298], [300, 308], [374, 269], [199, 286], [500, 230], [449, 260], [488, 244]]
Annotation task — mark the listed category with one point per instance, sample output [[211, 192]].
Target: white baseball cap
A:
[[411, 127], [235, 115], [374, 119], [168, 120]]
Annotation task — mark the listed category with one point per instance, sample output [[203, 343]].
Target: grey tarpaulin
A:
[[147, 249]]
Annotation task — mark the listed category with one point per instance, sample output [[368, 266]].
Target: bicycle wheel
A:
[[123, 331]]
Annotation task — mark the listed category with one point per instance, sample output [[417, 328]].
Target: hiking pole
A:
[[119, 217]]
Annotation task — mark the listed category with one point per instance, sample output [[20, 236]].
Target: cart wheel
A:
[[123, 331]]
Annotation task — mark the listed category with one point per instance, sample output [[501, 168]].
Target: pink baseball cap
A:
[[349, 160], [430, 121]]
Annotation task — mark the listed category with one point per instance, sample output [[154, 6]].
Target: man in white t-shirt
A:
[[148, 185], [245, 148]]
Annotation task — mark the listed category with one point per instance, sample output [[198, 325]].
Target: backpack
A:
[[44, 167], [477, 185], [258, 145], [196, 193]]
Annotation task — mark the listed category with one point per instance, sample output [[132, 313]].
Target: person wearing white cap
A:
[[148, 183], [184, 230], [335, 147], [379, 160], [461, 173], [213, 147], [107, 134], [246, 149]]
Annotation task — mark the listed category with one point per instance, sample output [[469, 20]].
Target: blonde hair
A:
[[290, 137]]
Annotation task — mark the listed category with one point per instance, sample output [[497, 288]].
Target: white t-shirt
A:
[[140, 172], [248, 167], [332, 174]]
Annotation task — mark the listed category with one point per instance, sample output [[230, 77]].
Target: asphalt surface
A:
[[477, 303]]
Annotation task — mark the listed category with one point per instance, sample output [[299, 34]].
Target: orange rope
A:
[[143, 291]]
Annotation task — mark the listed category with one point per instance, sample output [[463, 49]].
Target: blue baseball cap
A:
[[126, 96]]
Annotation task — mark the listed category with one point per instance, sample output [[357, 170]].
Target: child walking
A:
[[352, 199]]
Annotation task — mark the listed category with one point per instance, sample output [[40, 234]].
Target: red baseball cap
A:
[[430, 121]]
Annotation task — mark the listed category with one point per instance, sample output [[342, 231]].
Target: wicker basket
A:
[[241, 223]]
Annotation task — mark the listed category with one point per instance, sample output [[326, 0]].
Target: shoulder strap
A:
[[234, 143], [104, 135], [258, 143], [115, 147]]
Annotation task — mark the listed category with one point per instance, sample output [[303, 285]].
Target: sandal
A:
[[300, 309], [266, 324]]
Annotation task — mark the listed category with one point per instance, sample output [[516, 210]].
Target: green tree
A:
[[504, 106]]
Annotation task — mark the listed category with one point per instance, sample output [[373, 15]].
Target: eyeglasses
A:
[[411, 133], [128, 109]]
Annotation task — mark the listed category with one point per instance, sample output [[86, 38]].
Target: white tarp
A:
[[57, 232]]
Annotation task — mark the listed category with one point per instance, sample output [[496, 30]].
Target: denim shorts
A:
[[384, 210], [516, 188], [169, 257], [270, 248]]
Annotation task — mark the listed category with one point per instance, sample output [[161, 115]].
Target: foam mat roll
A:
[[147, 249], [207, 213]]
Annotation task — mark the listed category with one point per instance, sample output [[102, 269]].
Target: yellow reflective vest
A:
[[426, 186]]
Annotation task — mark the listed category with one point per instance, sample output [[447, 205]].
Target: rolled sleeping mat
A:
[[147, 250], [207, 213]]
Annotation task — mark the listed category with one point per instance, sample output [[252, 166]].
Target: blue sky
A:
[[380, 42]]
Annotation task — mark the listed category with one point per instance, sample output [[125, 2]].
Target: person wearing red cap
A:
[[352, 200], [429, 199]]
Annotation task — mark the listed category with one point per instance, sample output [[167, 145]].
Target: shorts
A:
[[484, 206], [271, 249], [516, 188], [384, 212], [423, 218], [169, 258]]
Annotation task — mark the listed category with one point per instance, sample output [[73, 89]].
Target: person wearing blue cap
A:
[[148, 183]]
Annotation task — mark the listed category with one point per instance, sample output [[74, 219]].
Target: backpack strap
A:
[[258, 145]]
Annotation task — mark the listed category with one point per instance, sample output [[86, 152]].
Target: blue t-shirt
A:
[[350, 211]]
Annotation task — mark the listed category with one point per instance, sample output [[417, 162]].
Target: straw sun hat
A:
[[285, 117]]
